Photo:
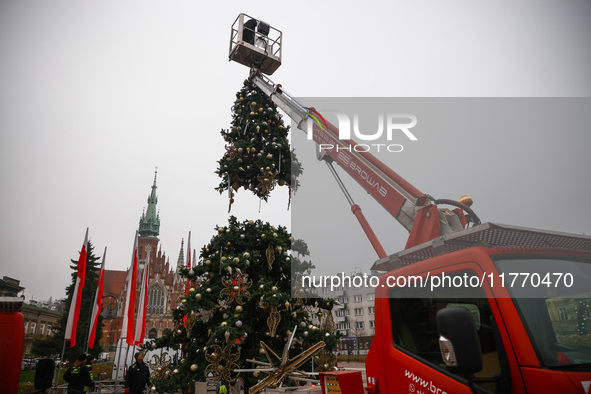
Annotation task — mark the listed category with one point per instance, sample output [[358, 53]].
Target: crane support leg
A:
[[373, 239]]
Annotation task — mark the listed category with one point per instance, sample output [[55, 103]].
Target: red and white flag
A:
[[140, 326], [77, 295], [188, 263], [127, 331], [96, 310]]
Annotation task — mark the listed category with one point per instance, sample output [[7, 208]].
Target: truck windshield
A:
[[553, 297]]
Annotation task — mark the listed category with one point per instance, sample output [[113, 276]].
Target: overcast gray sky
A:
[[97, 94]]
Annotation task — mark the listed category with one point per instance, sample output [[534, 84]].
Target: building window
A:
[[26, 326], [358, 311], [155, 300], [33, 327], [372, 324], [371, 310], [152, 334], [359, 324], [342, 312], [358, 298], [42, 329], [370, 297], [343, 326]]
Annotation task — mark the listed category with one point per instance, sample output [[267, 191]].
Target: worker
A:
[[88, 363], [78, 376], [138, 376]]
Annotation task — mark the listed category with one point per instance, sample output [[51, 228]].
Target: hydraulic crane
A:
[[415, 211]]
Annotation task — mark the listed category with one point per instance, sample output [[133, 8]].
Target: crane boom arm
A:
[[401, 199]]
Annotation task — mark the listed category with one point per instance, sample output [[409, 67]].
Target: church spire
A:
[[181, 261], [150, 220]]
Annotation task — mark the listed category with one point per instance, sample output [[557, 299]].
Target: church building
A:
[[165, 284]]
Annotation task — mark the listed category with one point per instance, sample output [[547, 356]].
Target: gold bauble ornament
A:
[[194, 368], [238, 308], [198, 296]]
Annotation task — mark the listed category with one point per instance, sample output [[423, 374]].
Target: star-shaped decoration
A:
[[278, 368], [222, 362], [236, 288]]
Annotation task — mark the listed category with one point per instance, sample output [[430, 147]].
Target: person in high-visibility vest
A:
[[88, 363], [78, 376], [138, 376]]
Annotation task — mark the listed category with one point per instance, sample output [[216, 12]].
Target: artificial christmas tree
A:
[[258, 155], [239, 307]]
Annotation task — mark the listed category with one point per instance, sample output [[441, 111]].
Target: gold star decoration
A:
[[222, 362], [236, 288], [278, 368]]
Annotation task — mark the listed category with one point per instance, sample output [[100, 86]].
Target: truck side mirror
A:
[[458, 340]]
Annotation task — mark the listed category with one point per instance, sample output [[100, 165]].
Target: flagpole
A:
[[59, 368], [72, 320], [99, 283], [119, 358], [129, 299]]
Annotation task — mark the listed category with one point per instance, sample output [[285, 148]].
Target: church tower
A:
[[149, 228], [165, 286]]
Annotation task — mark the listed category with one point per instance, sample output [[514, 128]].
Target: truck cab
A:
[[527, 292]]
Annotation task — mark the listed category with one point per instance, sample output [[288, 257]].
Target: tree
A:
[[239, 306], [53, 345], [258, 155]]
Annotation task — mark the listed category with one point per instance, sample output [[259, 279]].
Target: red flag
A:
[[127, 331], [77, 295], [96, 310], [140, 327], [188, 263]]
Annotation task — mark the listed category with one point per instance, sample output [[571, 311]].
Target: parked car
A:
[[27, 364]]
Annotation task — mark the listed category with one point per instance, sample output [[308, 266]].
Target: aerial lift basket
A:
[[255, 44]]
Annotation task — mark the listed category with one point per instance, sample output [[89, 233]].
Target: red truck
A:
[[466, 306]]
